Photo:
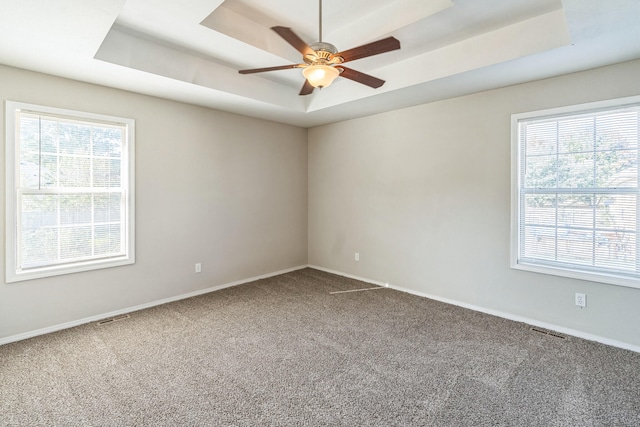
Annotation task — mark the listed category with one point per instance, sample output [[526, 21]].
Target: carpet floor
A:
[[286, 351]]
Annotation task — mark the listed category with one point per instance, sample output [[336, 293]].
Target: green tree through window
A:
[[577, 191]]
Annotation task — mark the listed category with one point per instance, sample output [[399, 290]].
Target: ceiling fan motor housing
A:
[[324, 47], [323, 54]]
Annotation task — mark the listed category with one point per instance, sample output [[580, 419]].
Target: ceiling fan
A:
[[323, 63]]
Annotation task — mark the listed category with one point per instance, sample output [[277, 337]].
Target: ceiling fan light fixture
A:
[[323, 63], [320, 75]]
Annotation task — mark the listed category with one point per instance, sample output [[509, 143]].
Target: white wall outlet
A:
[[581, 300], [198, 268], [357, 256]]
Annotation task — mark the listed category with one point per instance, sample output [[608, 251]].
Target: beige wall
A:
[[221, 189], [423, 194]]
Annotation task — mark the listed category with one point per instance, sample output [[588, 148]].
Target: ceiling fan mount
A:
[[322, 62]]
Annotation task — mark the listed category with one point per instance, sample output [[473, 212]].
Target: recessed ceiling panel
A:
[[345, 24], [191, 51]]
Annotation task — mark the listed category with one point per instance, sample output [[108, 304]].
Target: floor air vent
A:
[[547, 332], [113, 319], [356, 290]]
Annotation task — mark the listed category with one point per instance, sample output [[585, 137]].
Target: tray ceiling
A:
[[192, 51]]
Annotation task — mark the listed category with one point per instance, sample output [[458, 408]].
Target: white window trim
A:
[[11, 275], [515, 197]]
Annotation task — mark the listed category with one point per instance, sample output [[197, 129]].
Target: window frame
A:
[[516, 175], [12, 273]]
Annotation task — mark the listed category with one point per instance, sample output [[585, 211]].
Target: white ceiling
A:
[[191, 51]]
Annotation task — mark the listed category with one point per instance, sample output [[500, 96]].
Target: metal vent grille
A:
[[548, 332], [113, 319]]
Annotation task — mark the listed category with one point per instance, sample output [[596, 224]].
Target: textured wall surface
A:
[[423, 194], [224, 190]]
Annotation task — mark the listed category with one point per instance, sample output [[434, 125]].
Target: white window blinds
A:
[[71, 191], [578, 191]]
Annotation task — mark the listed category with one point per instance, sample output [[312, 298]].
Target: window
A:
[[575, 201], [69, 197]]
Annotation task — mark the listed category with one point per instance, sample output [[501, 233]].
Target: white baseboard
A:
[[505, 315], [59, 327]]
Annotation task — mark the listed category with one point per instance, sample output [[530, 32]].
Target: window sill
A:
[[39, 273], [610, 279]]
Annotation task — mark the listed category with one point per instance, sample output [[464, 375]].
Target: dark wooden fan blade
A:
[[363, 78], [293, 39], [306, 88], [375, 48], [262, 70]]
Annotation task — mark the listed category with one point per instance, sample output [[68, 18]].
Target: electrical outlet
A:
[[357, 256], [198, 268], [581, 300]]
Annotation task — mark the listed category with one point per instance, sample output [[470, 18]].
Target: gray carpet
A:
[[284, 351]]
